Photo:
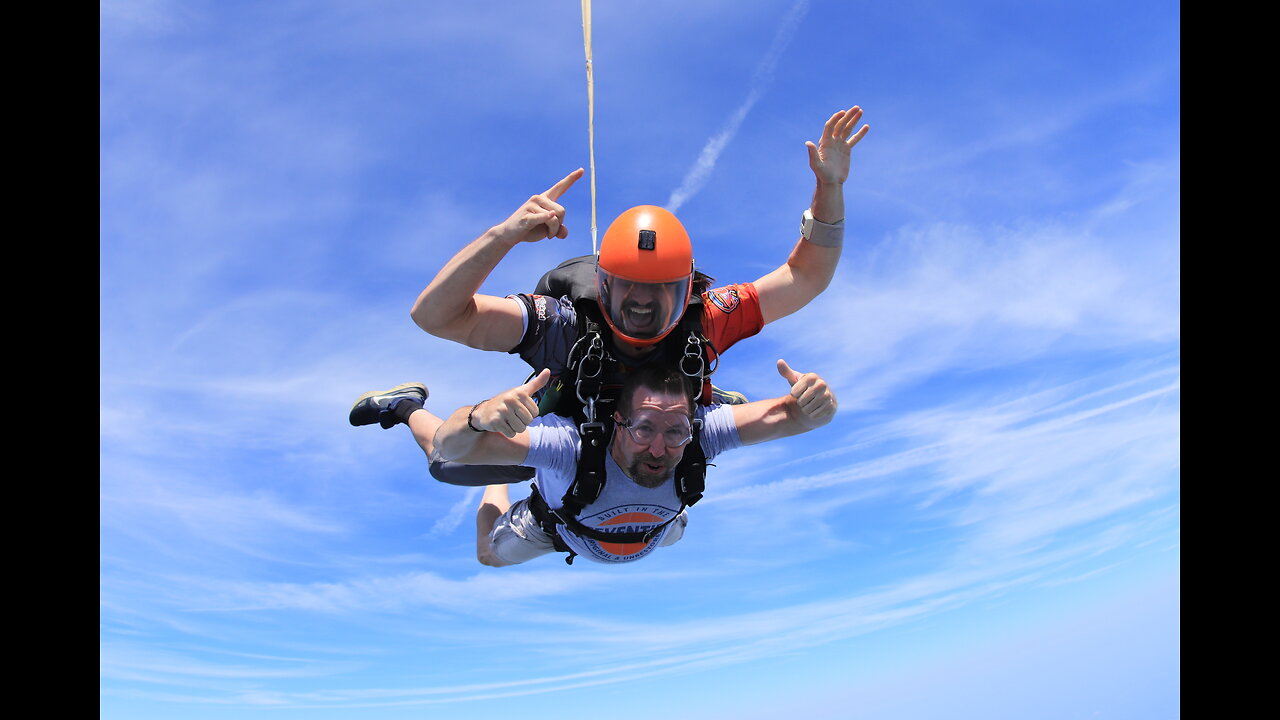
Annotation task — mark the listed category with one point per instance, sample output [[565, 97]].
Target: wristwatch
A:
[[818, 232]]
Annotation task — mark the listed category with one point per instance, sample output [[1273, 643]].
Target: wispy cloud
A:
[[278, 184], [1011, 473], [698, 174], [620, 651], [945, 297], [456, 514]]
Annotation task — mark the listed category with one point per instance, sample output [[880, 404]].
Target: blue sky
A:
[[989, 528]]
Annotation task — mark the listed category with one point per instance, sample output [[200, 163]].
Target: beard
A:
[[647, 477]]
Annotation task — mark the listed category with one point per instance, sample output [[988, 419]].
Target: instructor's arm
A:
[[811, 266], [451, 306]]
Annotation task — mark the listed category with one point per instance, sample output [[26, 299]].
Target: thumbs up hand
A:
[[815, 402], [510, 412]]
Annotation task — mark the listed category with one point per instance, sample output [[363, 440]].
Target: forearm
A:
[[813, 264], [454, 440], [828, 202], [448, 307], [765, 420], [814, 261], [806, 273]]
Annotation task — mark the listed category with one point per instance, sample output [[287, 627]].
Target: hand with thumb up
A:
[[510, 412], [814, 401]]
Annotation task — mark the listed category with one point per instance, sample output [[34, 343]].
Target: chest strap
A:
[[588, 484]]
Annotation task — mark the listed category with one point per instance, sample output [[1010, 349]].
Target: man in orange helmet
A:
[[643, 283]]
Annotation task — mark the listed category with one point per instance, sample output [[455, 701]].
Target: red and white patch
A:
[[724, 298]]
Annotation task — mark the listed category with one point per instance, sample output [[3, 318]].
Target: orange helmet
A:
[[644, 274]]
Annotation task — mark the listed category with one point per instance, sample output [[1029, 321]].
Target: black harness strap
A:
[[588, 483], [691, 472], [595, 374], [548, 521]]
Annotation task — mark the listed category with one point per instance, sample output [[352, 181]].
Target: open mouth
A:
[[639, 318]]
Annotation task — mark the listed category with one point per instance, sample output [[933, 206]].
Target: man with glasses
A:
[[641, 301], [652, 427]]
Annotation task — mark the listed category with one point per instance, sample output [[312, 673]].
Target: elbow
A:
[[428, 316], [442, 450], [812, 275], [424, 318], [819, 283]]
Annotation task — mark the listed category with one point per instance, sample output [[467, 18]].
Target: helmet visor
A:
[[642, 310]]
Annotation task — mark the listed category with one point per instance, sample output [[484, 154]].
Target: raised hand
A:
[[829, 159], [510, 412], [816, 402], [540, 216]]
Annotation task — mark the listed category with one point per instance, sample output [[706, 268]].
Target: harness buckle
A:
[[592, 426]]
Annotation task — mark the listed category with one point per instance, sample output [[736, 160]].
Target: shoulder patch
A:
[[540, 306], [724, 298]]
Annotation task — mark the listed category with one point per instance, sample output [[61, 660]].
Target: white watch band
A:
[[820, 233]]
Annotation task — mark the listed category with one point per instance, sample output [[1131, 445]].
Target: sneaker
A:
[[375, 407], [728, 397]]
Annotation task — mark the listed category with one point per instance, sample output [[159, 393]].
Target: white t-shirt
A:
[[623, 506]]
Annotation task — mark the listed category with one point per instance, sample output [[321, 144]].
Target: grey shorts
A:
[[517, 537]]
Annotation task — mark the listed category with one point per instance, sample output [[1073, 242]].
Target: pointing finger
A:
[[558, 189]]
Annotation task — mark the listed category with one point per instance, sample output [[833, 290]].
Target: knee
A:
[[486, 557]]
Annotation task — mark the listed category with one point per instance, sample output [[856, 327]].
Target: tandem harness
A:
[[690, 482], [596, 380]]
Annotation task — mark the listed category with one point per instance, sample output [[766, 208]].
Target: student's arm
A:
[[809, 405], [497, 431]]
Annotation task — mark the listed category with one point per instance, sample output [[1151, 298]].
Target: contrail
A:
[[453, 518], [706, 162]]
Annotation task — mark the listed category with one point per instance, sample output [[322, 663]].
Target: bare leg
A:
[[423, 424], [495, 502]]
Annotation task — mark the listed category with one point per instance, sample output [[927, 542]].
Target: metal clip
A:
[[591, 424], [594, 354], [693, 350]]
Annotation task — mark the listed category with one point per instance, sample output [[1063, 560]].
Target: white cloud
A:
[[945, 298]]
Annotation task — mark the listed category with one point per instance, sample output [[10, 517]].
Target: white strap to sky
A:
[[591, 114]]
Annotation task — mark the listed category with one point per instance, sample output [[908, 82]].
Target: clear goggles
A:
[[642, 310], [645, 425]]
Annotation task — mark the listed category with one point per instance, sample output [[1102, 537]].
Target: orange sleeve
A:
[[730, 314]]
